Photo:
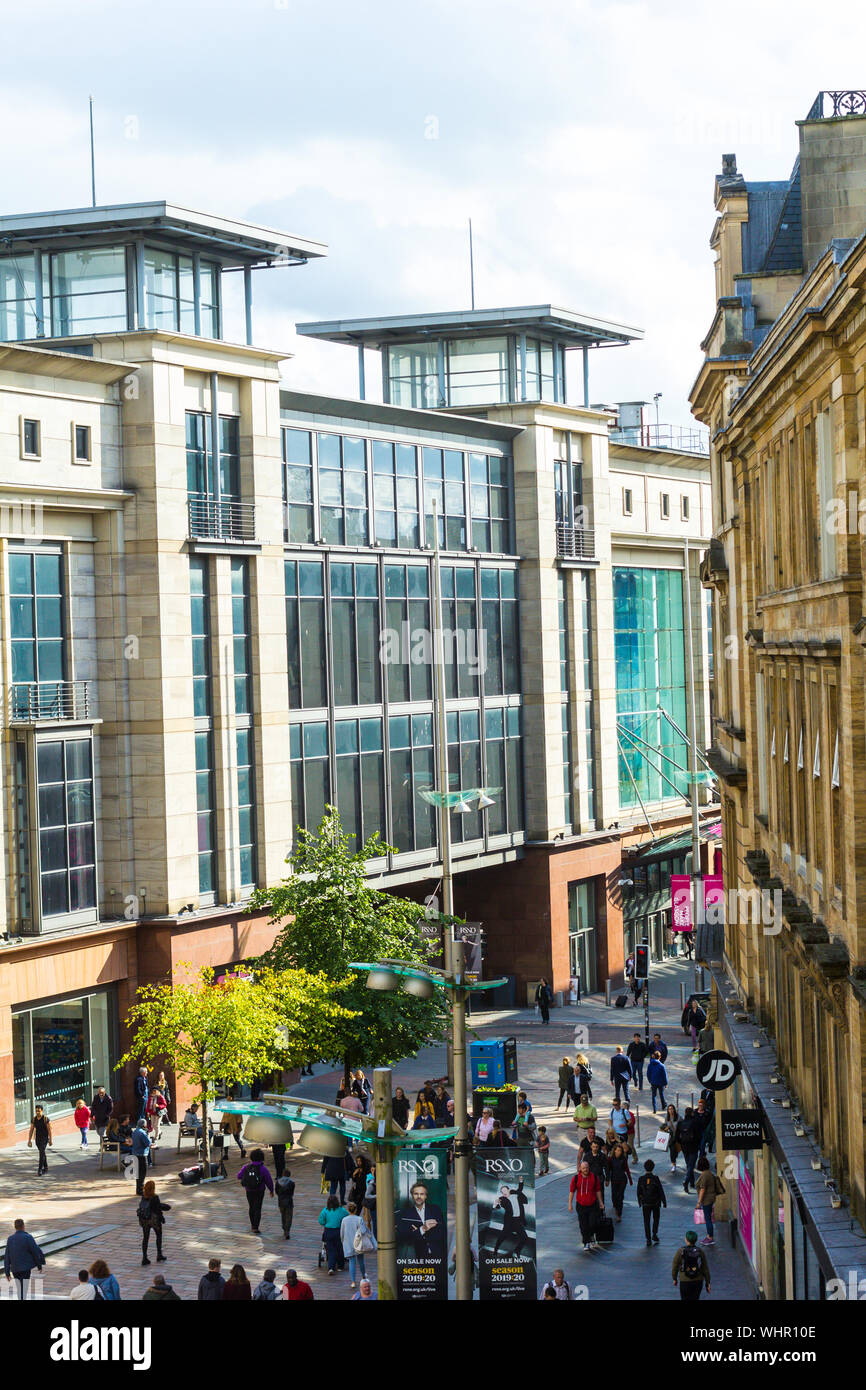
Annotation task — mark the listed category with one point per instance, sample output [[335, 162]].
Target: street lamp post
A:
[[386, 1263], [442, 760]]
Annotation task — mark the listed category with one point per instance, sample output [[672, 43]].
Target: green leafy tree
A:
[[330, 915], [235, 1031]]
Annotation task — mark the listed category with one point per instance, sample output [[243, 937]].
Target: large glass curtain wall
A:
[[650, 674], [243, 704], [346, 490], [93, 289], [61, 1051], [360, 652], [204, 737]]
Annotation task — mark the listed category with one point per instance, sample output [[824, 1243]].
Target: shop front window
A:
[[61, 1051]]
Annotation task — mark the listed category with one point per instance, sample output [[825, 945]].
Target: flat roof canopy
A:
[[231, 241], [573, 330]]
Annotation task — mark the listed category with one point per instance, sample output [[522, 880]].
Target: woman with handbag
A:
[[583, 1076], [356, 1233], [150, 1218], [709, 1187], [668, 1126]]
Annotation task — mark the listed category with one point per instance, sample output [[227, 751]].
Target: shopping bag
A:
[[699, 1216], [662, 1140]]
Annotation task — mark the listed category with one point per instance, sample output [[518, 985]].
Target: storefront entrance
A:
[[582, 934]]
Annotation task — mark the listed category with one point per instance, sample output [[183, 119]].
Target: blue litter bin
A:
[[493, 1062]]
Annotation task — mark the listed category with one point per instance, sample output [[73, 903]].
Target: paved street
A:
[[211, 1220]]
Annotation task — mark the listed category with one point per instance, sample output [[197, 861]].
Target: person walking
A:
[[82, 1120], [331, 1219], [150, 1218], [105, 1282], [659, 1046], [693, 1020], [620, 1073], [583, 1076], [657, 1076], [295, 1290], [156, 1113], [141, 1093], [160, 1292], [565, 1078], [440, 1107], [356, 1233], [709, 1187], [650, 1198], [559, 1285], [363, 1090], [705, 1119], [585, 1192], [162, 1083], [334, 1173], [524, 1131], [285, 1190], [543, 999], [619, 1122], [620, 1177], [400, 1107], [267, 1291], [484, 1126], [140, 1152], [21, 1257], [669, 1126], [210, 1285], [366, 1293], [237, 1287], [597, 1161], [279, 1154], [688, 1137], [232, 1125], [636, 1052], [636, 987], [255, 1179], [101, 1108], [584, 1114], [690, 1269], [40, 1130]]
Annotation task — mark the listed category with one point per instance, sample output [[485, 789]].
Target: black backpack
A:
[[252, 1179], [691, 1263], [652, 1191], [144, 1212]]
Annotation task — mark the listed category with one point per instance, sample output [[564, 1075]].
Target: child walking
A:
[[543, 1147], [82, 1120]]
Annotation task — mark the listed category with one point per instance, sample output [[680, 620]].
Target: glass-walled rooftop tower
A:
[[481, 357], [139, 266]]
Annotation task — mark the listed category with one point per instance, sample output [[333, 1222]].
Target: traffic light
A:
[[641, 961]]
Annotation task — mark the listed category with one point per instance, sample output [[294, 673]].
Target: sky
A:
[[581, 137]]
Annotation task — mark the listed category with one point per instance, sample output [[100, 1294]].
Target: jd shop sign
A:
[[716, 1070]]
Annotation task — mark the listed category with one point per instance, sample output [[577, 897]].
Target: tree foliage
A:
[[329, 916], [236, 1031]]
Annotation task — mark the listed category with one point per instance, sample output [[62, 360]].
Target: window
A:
[[360, 767], [444, 481], [310, 774], [31, 439], [200, 628], [200, 478], [36, 607], [342, 474], [460, 631], [20, 315], [243, 700], [355, 634], [297, 486], [246, 807], [504, 770], [88, 291], [413, 376], [586, 720], [82, 446], [413, 817], [305, 634], [408, 655], [489, 503], [539, 370], [477, 371], [67, 844], [684, 507], [627, 501], [666, 505], [826, 471], [205, 804], [499, 637], [61, 1051], [203, 711], [395, 494], [169, 293], [464, 769]]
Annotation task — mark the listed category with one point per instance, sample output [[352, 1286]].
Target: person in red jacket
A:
[[295, 1288], [82, 1120], [586, 1191]]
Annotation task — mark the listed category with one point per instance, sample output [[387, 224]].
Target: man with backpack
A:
[[650, 1198], [559, 1285], [254, 1178], [691, 1269]]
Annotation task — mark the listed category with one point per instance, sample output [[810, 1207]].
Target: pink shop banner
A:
[[681, 903], [714, 898]]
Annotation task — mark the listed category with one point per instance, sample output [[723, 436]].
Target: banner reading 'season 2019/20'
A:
[[421, 1223], [505, 1183]]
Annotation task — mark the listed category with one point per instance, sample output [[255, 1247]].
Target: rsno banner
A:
[[421, 1223], [505, 1182]]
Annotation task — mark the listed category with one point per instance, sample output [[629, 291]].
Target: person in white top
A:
[[84, 1289], [558, 1284], [484, 1127]]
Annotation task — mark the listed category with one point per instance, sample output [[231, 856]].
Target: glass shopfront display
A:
[[62, 1050]]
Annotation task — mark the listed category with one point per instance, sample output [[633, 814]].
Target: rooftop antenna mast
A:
[[471, 265], [92, 158]]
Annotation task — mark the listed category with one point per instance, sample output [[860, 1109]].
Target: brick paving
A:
[[211, 1220]]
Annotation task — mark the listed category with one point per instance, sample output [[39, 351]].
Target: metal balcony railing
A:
[[575, 542], [37, 700], [850, 103], [678, 437], [214, 520]]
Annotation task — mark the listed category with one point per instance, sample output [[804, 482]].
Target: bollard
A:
[[682, 996], [637, 1126], [607, 991]]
